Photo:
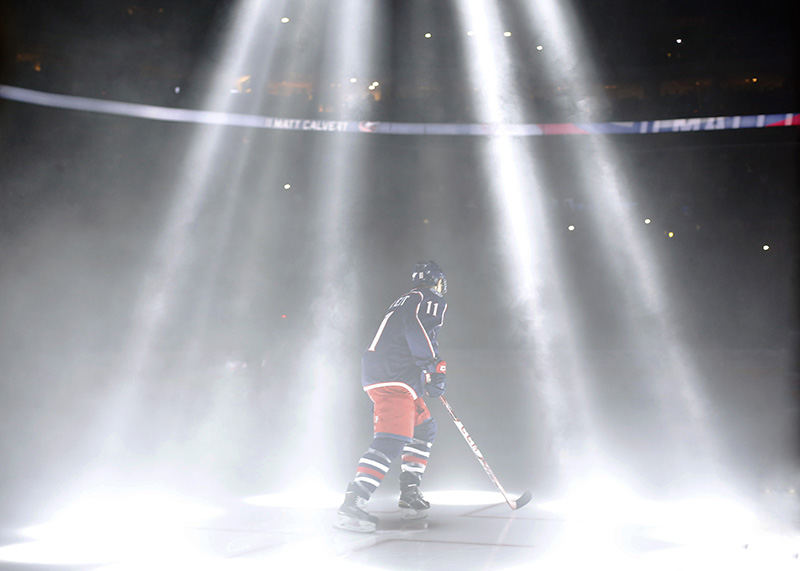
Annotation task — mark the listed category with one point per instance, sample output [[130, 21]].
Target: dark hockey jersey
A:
[[406, 341]]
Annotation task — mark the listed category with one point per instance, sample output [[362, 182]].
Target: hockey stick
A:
[[513, 504]]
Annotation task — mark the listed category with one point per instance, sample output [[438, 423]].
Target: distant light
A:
[[283, 316], [375, 83], [287, 186], [425, 221], [353, 79], [241, 84], [428, 35], [647, 221], [539, 48], [507, 34], [284, 20], [571, 228], [371, 87], [765, 247], [177, 89], [755, 79], [679, 41], [670, 234], [470, 33]]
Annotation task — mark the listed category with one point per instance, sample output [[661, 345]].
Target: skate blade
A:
[[411, 513], [351, 524]]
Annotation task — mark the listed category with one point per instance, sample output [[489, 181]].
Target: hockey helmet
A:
[[429, 274]]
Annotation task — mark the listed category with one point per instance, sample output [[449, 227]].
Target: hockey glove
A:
[[435, 379]]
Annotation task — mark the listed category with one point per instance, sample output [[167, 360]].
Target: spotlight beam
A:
[[349, 46], [530, 256], [174, 245], [557, 22]]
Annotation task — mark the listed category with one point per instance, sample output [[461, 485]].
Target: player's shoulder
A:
[[418, 295], [409, 299], [428, 294], [427, 297]]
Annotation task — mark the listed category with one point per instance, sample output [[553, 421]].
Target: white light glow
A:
[[596, 498], [313, 553], [287, 186], [284, 20], [428, 35], [571, 228], [464, 497], [96, 513], [108, 527], [300, 497], [539, 48], [603, 515], [647, 221], [765, 247]]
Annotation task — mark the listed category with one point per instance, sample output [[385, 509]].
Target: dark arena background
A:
[[206, 207]]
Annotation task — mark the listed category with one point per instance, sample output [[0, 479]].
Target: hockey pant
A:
[[403, 427]]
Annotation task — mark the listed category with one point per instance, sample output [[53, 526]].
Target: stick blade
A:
[[522, 500]]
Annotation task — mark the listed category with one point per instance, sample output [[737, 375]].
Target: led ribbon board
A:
[[173, 114]]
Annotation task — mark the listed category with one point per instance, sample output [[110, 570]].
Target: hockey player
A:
[[401, 364]]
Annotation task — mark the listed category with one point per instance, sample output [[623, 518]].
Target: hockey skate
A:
[[411, 503], [353, 517]]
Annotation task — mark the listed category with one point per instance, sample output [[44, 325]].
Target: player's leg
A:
[[394, 416], [372, 467], [414, 463]]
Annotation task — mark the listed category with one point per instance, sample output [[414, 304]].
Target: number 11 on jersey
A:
[[435, 308]]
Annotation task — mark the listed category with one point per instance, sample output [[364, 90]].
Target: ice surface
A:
[[476, 533]]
